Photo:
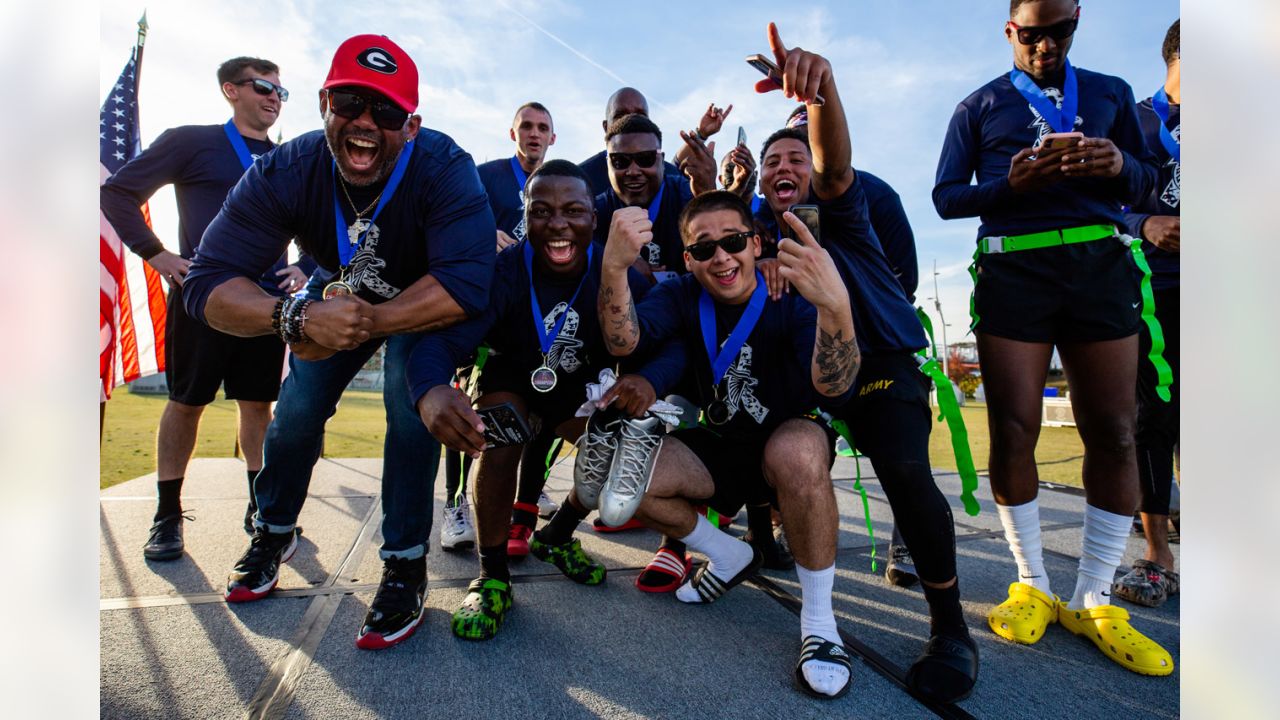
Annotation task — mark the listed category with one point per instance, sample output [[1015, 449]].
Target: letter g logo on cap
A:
[[378, 60]]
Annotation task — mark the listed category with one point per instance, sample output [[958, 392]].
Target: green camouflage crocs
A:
[[483, 610], [569, 558]]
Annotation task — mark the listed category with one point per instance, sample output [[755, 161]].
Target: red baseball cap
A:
[[376, 63]]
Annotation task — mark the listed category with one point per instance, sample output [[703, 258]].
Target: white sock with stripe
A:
[[816, 618], [1105, 535], [1022, 530], [726, 555]]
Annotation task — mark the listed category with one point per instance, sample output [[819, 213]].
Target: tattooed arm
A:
[[629, 231], [809, 269]]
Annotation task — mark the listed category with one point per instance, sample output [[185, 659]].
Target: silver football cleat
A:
[[631, 471]]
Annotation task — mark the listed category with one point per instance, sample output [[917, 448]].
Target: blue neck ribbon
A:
[[1160, 103], [721, 361], [237, 142], [522, 177], [1063, 120], [348, 249], [546, 338], [656, 204]]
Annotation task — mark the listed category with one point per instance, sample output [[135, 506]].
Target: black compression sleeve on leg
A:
[[535, 463]]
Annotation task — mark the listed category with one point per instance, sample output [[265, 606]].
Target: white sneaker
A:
[[596, 449], [458, 533], [546, 506], [631, 470]]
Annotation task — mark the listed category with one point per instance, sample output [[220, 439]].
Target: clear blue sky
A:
[[902, 67]]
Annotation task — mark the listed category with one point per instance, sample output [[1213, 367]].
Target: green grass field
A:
[[128, 445]]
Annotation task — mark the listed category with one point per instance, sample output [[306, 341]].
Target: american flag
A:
[[131, 310]]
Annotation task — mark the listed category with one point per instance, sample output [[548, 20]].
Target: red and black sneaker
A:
[[396, 610], [665, 572], [258, 570], [518, 541]]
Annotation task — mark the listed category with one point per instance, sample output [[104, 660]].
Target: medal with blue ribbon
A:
[[718, 412], [544, 378], [1160, 103], [1061, 120], [652, 250], [360, 229]]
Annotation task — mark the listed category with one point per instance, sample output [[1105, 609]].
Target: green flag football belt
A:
[[1086, 233], [949, 410]]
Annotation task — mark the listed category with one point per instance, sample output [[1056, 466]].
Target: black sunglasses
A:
[[350, 105], [265, 87], [704, 251], [622, 161], [1058, 31]]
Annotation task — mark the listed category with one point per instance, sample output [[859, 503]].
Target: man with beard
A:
[[397, 219], [203, 163], [760, 366], [889, 417], [1051, 269], [541, 325]]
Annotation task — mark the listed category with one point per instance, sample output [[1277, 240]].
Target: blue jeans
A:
[[308, 398]]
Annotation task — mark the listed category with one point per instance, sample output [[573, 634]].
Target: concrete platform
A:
[[170, 646]]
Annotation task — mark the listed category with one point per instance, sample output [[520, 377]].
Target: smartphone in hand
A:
[[503, 426], [771, 71], [742, 136], [808, 215], [1059, 141]]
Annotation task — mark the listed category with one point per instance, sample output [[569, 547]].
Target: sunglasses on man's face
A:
[[622, 161], [704, 251], [1058, 31], [265, 87], [350, 105]]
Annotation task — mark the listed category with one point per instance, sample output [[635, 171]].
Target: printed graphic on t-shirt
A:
[[1041, 125], [740, 387], [652, 254], [519, 232], [1173, 191], [365, 265], [564, 351]]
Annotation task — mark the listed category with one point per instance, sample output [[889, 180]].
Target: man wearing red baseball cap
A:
[[396, 218]]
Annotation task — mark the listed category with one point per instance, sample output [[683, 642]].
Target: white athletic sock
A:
[[1105, 534], [1022, 531], [816, 618], [726, 555]]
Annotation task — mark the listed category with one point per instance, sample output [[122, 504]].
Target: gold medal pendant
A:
[[337, 288]]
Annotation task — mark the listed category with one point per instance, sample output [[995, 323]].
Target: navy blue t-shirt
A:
[[202, 166], [578, 353], [506, 195], [597, 169], [667, 249], [883, 318], [889, 220], [1164, 196], [990, 126], [437, 223], [768, 383]]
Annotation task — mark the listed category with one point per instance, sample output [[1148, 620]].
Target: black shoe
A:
[[165, 542], [946, 671], [776, 556], [396, 610], [258, 570]]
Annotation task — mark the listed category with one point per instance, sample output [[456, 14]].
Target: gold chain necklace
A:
[[359, 213]]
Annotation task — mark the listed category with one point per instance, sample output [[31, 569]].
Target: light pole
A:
[[937, 304]]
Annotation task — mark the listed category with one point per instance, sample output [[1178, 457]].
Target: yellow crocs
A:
[[1108, 627], [1024, 616]]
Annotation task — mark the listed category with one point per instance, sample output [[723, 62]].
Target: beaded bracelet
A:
[[276, 315]]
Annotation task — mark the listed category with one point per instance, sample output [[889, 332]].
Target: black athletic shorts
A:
[[1084, 292], [889, 414], [736, 466], [198, 359], [555, 407]]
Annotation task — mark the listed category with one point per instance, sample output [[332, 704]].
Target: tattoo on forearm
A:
[[838, 361], [618, 319]]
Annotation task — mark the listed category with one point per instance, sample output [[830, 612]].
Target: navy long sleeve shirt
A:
[[990, 126], [1164, 198]]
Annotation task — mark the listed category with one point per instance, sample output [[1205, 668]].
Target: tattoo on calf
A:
[[838, 361]]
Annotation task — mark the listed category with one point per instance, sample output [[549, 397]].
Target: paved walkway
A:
[[171, 648]]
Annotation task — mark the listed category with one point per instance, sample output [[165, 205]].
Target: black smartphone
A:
[[768, 69], [503, 426], [808, 215], [742, 136]]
